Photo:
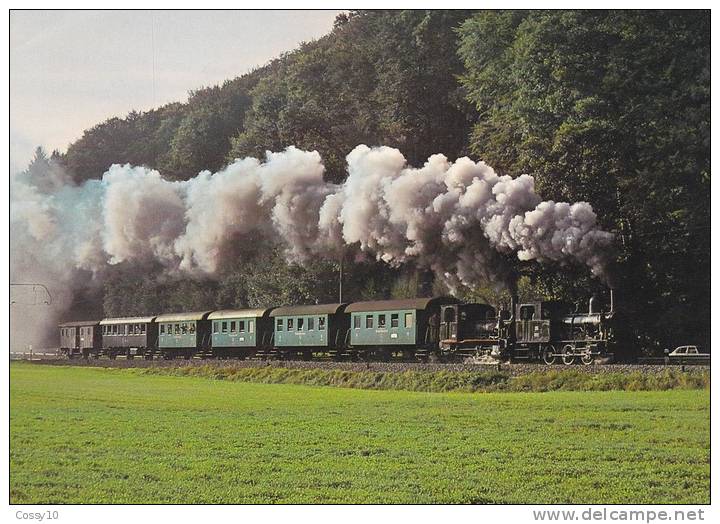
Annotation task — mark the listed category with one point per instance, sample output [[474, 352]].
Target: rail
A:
[[675, 361]]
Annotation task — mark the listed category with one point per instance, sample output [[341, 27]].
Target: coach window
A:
[[191, 329], [290, 324], [279, 324], [321, 323], [251, 326], [162, 329], [184, 328], [216, 327], [311, 323], [114, 329], [177, 329], [408, 320], [233, 326], [394, 320], [241, 326], [368, 321], [356, 321], [142, 329], [224, 327], [381, 321], [301, 324]]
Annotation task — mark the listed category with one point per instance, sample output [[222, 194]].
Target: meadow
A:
[[93, 435]]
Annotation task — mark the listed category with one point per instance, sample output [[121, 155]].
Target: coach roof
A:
[[80, 323], [400, 304], [126, 320], [312, 309], [239, 313], [181, 317]]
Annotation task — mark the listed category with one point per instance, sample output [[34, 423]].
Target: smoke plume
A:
[[460, 219]]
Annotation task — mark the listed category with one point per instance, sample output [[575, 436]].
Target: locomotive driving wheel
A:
[[568, 357], [548, 355], [587, 358]]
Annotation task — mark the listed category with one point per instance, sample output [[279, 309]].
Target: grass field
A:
[[90, 435]]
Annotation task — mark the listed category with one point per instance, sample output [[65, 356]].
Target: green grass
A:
[[445, 381], [82, 435]]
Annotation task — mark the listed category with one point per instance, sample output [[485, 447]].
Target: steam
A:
[[460, 219]]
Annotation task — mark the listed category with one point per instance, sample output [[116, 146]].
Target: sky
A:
[[70, 70]]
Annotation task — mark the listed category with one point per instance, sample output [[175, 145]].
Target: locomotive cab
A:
[[539, 321], [469, 328]]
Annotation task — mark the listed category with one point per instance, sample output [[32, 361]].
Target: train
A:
[[420, 329]]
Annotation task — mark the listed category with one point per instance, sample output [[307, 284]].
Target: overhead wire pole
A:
[[342, 258], [35, 286], [152, 36]]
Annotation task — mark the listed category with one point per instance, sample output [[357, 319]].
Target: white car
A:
[[688, 352]]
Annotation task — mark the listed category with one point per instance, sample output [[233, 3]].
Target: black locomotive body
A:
[[544, 330]]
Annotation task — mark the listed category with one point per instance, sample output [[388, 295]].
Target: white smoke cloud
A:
[[458, 218], [143, 214]]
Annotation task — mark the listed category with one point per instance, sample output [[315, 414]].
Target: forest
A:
[[607, 107]]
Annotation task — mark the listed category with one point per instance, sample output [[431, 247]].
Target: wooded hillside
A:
[[609, 107]]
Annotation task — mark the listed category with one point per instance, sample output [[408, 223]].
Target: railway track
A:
[[389, 367]]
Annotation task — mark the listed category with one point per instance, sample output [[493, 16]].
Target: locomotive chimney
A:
[[612, 300], [591, 305]]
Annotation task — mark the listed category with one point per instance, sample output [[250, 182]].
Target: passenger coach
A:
[[183, 334], [128, 336], [241, 332], [304, 330], [81, 338], [382, 328]]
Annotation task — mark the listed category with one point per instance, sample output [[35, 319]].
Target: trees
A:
[[611, 107]]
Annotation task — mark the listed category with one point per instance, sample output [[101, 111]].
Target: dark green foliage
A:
[[610, 107], [379, 78]]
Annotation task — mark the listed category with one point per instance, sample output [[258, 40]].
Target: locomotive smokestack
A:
[[612, 300], [591, 305]]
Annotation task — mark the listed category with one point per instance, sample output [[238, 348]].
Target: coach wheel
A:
[[568, 355], [548, 355], [587, 358]]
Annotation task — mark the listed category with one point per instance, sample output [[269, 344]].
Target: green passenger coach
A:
[[183, 334], [382, 327], [302, 330], [240, 332]]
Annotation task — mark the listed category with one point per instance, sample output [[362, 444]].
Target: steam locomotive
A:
[[545, 330], [438, 328]]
